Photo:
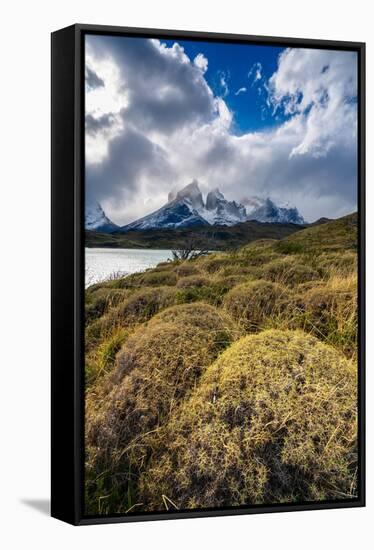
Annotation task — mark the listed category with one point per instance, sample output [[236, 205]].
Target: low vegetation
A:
[[226, 379]]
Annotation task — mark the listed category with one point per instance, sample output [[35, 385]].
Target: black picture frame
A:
[[67, 387]]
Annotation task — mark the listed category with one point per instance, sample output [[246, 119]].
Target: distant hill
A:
[[212, 237]]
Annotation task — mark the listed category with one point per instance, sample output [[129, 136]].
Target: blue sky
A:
[[238, 65]]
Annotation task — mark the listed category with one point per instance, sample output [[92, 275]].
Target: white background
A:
[[24, 296]]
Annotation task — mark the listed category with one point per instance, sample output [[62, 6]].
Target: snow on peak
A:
[[213, 198], [186, 208], [96, 220], [265, 210], [192, 193]]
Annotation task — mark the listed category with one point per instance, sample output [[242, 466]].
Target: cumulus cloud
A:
[[319, 87], [241, 90], [201, 62], [161, 126]]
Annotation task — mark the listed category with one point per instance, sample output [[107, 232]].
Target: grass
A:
[[229, 379], [261, 427], [251, 303], [157, 367]]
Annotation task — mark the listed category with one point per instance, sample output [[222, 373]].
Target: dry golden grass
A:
[[261, 427], [158, 278], [289, 271], [186, 268], [251, 303], [158, 366], [193, 281], [99, 301]]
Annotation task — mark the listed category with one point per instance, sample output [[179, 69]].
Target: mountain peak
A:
[[192, 193], [96, 219], [265, 210], [213, 198]]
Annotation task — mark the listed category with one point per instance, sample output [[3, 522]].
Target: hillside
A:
[[213, 238], [223, 380]]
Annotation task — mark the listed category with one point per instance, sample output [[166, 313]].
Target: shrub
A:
[[143, 304], [158, 278], [330, 312], [289, 272], [215, 262], [164, 266], [101, 360], [140, 306], [130, 281], [251, 303], [101, 300], [237, 269], [272, 420], [230, 281], [259, 252], [193, 281], [213, 293], [344, 263], [157, 367], [184, 269]]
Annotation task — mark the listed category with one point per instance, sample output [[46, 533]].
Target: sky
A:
[[251, 120]]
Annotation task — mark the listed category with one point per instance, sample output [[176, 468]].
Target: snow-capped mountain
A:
[[219, 211], [265, 210], [186, 208], [183, 210], [96, 220]]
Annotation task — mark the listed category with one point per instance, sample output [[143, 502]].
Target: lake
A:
[[101, 263]]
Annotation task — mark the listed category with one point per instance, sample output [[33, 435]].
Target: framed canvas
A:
[[207, 274]]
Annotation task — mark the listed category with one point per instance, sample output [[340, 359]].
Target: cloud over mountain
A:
[[156, 124]]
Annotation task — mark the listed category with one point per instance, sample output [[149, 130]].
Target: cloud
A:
[[201, 62], [255, 73], [241, 90], [92, 80], [224, 87], [133, 170], [165, 91], [95, 125], [160, 125], [319, 88]]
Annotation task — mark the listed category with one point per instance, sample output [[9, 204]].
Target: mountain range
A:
[[186, 208]]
